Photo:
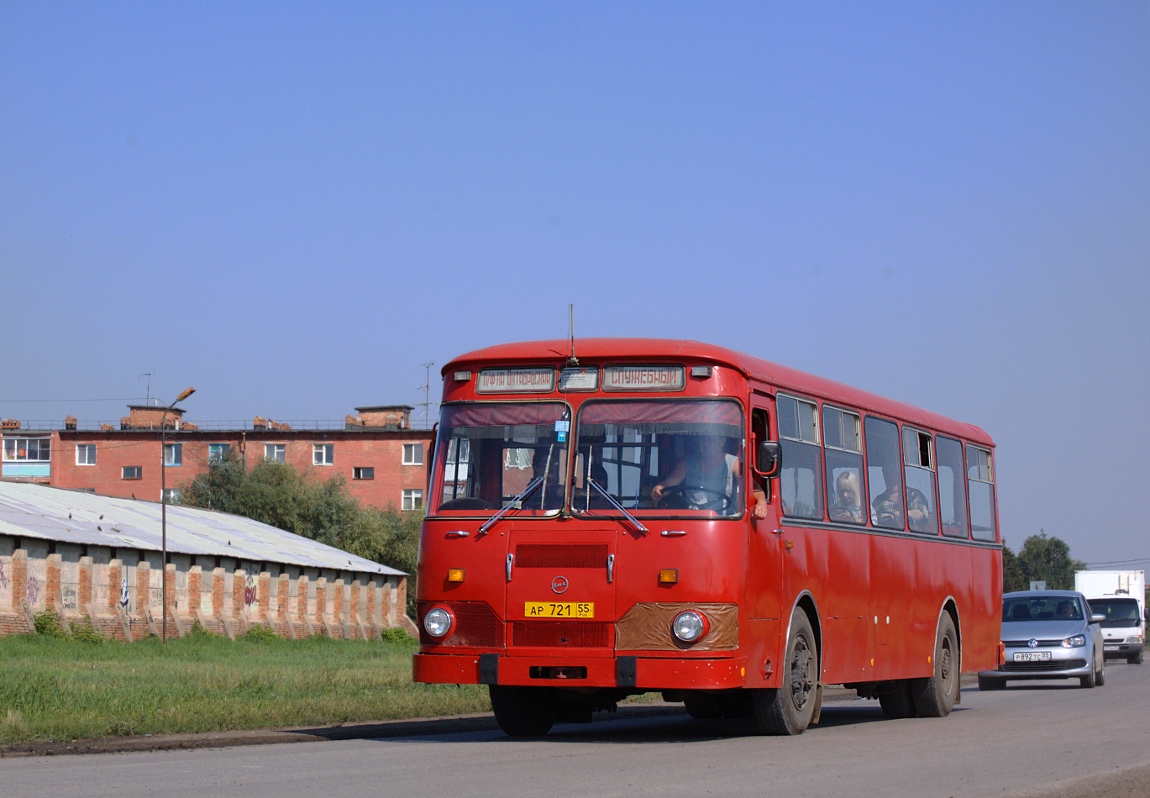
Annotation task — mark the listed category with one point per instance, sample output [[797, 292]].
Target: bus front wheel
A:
[[789, 708], [524, 711], [934, 696]]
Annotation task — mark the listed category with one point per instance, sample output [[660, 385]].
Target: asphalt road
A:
[[1038, 739]]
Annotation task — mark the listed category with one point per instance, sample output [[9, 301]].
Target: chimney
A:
[[70, 422]]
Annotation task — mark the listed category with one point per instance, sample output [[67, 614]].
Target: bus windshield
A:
[[488, 454], [668, 455]]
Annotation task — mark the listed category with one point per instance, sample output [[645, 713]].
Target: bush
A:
[[261, 633], [47, 623], [396, 634], [84, 632]]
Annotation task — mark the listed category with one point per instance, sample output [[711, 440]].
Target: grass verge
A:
[[55, 688]]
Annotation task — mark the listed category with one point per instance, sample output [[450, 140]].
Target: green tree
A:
[[277, 494], [1012, 578], [1048, 559]]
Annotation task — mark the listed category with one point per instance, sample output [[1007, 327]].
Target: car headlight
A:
[[1134, 639], [689, 626], [1078, 641], [437, 623]]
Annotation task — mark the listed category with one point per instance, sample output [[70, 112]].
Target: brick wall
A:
[[122, 596]]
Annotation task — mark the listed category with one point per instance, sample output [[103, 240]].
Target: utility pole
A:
[[426, 403]]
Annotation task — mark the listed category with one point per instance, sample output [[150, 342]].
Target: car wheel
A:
[[1087, 681], [1100, 677], [1135, 659], [790, 708], [987, 683], [524, 711], [934, 696]]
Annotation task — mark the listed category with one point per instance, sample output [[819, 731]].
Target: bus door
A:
[[561, 587], [765, 553]]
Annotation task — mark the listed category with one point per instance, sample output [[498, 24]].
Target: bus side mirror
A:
[[768, 459]]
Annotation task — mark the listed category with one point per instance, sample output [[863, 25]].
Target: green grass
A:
[[54, 688]]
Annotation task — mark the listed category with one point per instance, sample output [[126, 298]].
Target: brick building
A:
[[383, 459]]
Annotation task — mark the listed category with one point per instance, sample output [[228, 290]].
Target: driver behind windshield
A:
[[709, 477]]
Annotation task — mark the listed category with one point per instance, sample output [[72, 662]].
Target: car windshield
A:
[[1118, 612], [689, 449], [1041, 608], [488, 455]]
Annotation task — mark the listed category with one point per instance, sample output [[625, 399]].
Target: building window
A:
[[218, 452], [412, 499], [173, 454], [132, 472], [363, 472], [275, 451], [86, 454], [22, 450], [323, 454], [172, 495], [413, 454]]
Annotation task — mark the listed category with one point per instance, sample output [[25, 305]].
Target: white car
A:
[[1048, 634]]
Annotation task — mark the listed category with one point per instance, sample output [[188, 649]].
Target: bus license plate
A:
[[559, 609], [1031, 656]]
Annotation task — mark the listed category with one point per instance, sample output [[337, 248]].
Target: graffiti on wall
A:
[[33, 590], [125, 599], [3, 576], [68, 596], [251, 589]]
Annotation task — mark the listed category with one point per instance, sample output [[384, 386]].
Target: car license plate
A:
[[1110, 648], [1031, 656], [559, 609]]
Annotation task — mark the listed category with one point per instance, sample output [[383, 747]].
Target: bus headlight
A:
[[1078, 641], [437, 623], [689, 626]]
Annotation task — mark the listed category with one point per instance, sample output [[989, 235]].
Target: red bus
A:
[[622, 516]]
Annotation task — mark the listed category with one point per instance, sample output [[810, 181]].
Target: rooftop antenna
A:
[[426, 403], [572, 360], [148, 395]]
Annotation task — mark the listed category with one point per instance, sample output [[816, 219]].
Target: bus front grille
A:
[[556, 555], [561, 634]]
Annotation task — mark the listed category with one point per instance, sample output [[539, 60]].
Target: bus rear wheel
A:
[[934, 696], [789, 708], [523, 711]]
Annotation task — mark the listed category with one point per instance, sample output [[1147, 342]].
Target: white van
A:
[[1121, 597]]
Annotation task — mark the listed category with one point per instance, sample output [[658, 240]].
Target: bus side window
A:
[[842, 441], [951, 488], [760, 428], [981, 479], [918, 456], [800, 481], [884, 467]]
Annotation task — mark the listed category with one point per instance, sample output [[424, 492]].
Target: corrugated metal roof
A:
[[68, 516]]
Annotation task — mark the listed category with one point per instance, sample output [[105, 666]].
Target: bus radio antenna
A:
[[572, 360]]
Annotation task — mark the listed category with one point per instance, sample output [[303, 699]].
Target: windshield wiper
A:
[[516, 503], [614, 503]]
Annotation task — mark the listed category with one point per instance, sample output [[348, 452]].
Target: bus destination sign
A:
[[644, 378], [515, 381], [579, 379]]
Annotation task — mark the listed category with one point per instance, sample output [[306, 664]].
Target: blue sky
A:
[[293, 206]]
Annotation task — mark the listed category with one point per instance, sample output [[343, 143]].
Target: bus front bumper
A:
[[637, 672]]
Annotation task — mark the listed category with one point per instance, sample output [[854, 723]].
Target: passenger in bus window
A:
[[848, 499], [709, 477], [888, 507]]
